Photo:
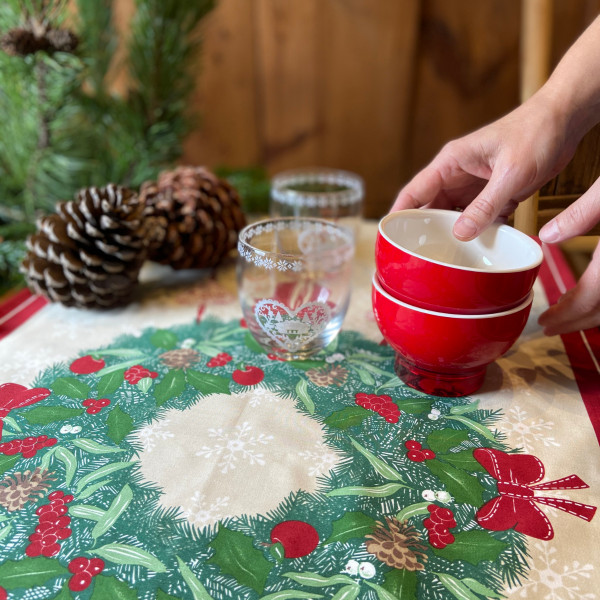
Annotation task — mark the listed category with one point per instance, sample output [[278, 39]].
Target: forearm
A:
[[573, 89]]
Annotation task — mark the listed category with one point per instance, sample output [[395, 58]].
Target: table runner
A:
[[173, 458]]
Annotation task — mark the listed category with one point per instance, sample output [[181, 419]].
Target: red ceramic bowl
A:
[[419, 261], [441, 353]]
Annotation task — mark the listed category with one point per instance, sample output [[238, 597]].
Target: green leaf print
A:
[[208, 383], [29, 573], [456, 587], [348, 592], [473, 547], [302, 393], [347, 417], [103, 472], [351, 525], [379, 465], [381, 491], [111, 587], [160, 595], [477, 427], [462, 460], [70, 387], [110, 382], [291, 595], [415, 406], [401, 583], [42, 415], [236, 555], [382, 593], [93, 447], [465, 408], [316, 580], [124, 554], [68, 459], [162, 338], [412, 511], [8, 462], [198, 590], [485, 591], [171, 386], [366, 377], [253, 345], [442, 440], [119, 425], [65, 592], [465, 488], [86, 511], [117, 507]]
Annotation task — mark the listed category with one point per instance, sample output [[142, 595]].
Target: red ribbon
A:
[[13, 395], [515, 506]]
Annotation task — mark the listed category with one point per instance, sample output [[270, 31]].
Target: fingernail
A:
[[549, 232], [465, 228]]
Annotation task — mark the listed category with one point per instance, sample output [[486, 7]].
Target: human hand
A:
[[579, 308], [488, 172]]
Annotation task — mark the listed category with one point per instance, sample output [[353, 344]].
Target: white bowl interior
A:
[[528, 300], [427, 233]]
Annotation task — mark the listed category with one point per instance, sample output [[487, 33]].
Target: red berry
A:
[[48, 526], [35, 537], [429, 454], [29, 453], [11, 451], [68, 498], [4, 447], [243, 324], [57, 502], [28, 440], [62, 521], [56, 495], [51, 550], [49, 517], [42, 438], [412, 445], [79, 564], [39, 445], [446, 538], [64, 533], [86, 365], [96, 566], [34, 549], [103, 402], [61, 510], [3, 594], [50, 442], [48, 539], [444, 513], [436, 542], [80, 581], [44, 509], [432, 508], [93, 410], [88, 402], [428, 524], [415, 455]]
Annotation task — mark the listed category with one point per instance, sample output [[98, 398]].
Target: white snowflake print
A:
[[149, 435], [321, 460], [233, 445], [260, 395], [549, 580], [528, 432], [32, 361], [203, 513]]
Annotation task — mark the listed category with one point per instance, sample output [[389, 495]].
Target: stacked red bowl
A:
[[450, 308]]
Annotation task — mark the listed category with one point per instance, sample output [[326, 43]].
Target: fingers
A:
[[577, 219], [422, 189], [579, 308]]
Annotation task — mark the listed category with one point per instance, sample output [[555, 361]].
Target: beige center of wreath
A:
[[233, 454]]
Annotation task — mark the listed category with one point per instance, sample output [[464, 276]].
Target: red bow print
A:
[[515, 507], [13, 395]]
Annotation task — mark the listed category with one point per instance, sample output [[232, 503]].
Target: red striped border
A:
[[582, 347], [17, 308]]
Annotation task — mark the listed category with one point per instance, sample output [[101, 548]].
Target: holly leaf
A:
[[119, 424], [162, 338], [42, 415], [351, 525], [236, 555], [110, 382], [462, 460], [347, 417], [171, 385], [465, 488], [401, 583], [208, 383], [442, 440], [70, 387], [124, 554], [8, 462], [415, 405], [472, 547], [30, 572], [111, 587]]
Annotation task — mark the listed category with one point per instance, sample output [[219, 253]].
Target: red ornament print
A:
[[13, 395], [297, 538], [248, 376], [86, 365]]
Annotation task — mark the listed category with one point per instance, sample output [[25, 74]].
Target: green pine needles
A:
[[62, 128]]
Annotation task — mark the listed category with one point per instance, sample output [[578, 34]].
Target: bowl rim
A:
[[523, 305], [524, 238]]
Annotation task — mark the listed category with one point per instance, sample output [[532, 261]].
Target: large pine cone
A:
[[201, 213], [90, 252]]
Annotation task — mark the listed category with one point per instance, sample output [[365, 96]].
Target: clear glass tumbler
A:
[[319, 192], [294, 283]]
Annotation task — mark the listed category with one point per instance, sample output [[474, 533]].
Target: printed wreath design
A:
[[427, 503]]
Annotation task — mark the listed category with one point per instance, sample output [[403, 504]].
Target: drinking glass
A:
[[319, 192], [294, 283]]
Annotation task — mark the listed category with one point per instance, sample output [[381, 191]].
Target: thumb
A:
[[503, 186], [578, 218]]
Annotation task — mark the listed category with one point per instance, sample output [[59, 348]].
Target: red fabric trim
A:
[[17, 309], [582, 347]]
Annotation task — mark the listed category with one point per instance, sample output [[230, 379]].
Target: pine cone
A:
[[25, 487], [90, 252], [201, 214], [61, 40], [181, 358], [399, 546], [21, 41], [326, 376]]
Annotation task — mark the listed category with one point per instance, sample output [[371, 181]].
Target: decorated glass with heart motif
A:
[[294, 283]]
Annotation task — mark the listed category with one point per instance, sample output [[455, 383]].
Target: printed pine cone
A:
[[201, 213], [90, 252], [22, 41]]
